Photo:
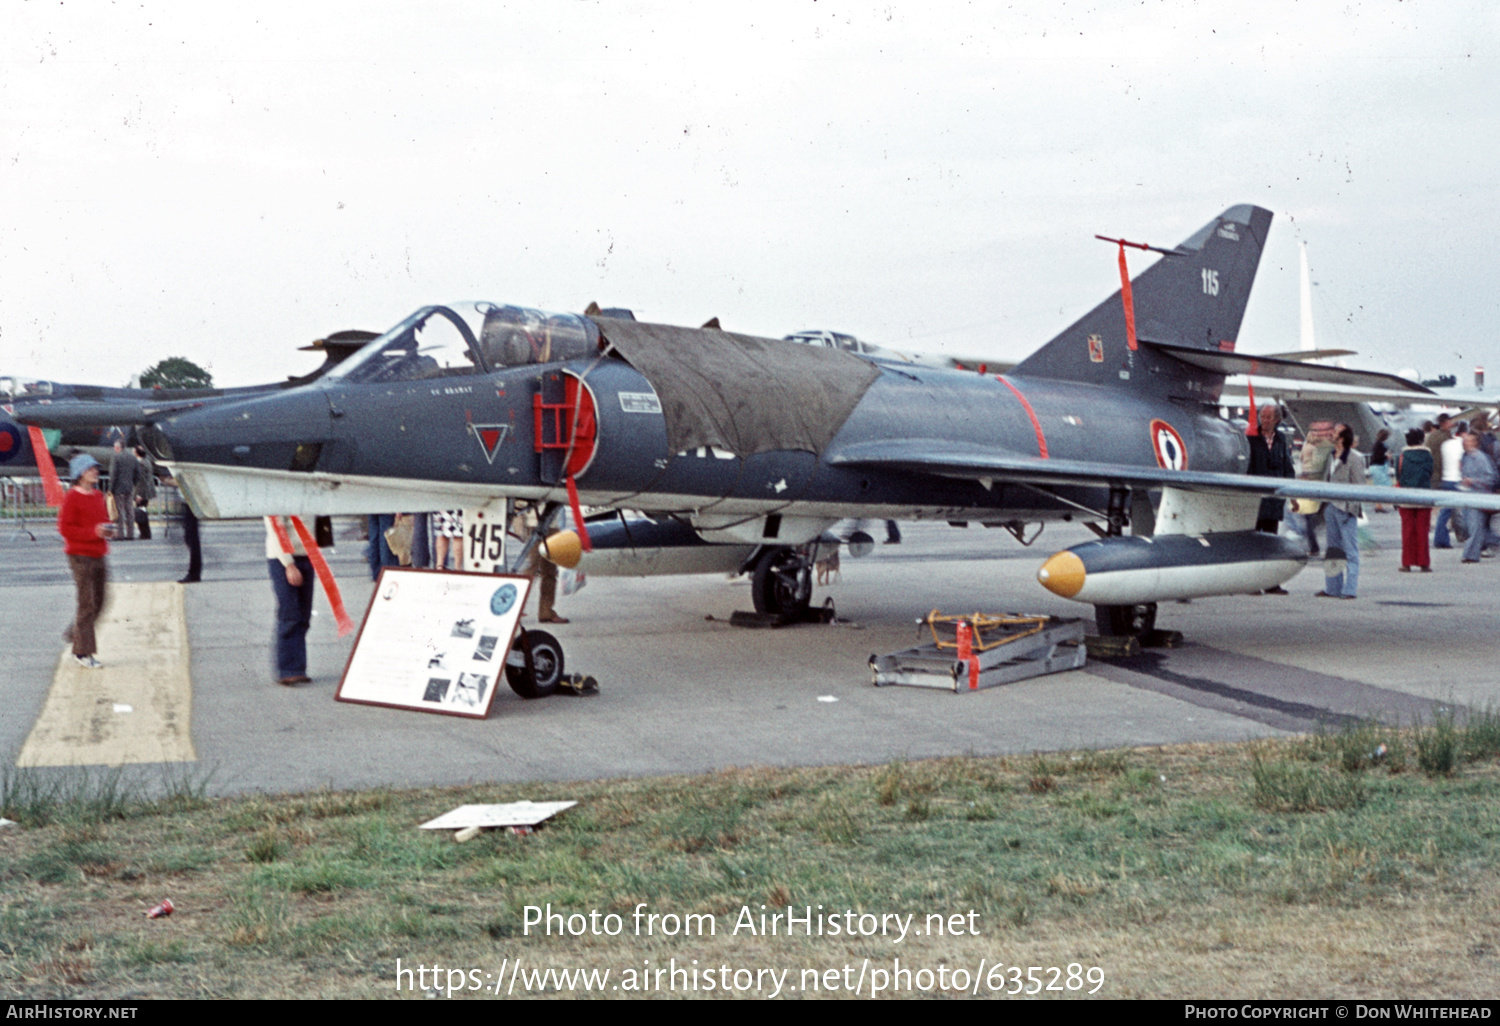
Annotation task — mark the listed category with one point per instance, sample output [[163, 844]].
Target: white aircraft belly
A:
[[220, 493]]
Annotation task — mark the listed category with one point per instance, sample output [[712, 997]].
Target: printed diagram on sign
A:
[[471, 689], [486, 648]]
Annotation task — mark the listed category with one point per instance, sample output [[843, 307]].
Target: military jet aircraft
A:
[[758, 445]]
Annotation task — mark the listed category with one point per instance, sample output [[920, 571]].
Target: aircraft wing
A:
[[943, 459]]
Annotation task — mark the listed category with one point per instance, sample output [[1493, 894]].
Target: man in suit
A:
[[124, 479]]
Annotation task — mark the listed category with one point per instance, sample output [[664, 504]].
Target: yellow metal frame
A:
[[982, 622]]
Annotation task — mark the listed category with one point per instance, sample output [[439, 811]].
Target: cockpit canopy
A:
[[469, 338], [14, 387], [830, 340]]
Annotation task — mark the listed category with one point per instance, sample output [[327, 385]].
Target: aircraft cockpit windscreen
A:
[[434, 342], [447, 341]]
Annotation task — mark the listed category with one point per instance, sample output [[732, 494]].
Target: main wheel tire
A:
[[546, 665], [781, 583], [1126, 621]]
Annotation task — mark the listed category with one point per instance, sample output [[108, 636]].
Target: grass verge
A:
[[1342, 865]]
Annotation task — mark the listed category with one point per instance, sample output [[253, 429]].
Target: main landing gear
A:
[[1126, 621], [781, 583], [1137, 621], [781, 586]]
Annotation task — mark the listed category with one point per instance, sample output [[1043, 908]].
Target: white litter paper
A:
[[121, 707], [513, 814]]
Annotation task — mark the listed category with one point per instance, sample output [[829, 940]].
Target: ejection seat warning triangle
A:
[[435, 641]]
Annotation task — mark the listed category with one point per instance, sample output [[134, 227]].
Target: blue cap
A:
[[83, 461]]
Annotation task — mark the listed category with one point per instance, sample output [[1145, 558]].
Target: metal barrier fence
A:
[[167, 505], [23, 508], [24, 511]]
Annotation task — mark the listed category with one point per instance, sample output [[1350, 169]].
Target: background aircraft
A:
[[751, 442], [88, 418], [850, 344], [1402, 401]]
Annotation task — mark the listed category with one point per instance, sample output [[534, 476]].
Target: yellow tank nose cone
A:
[[1062, 574], [564, 549]]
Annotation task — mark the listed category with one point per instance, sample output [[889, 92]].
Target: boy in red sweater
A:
[[84, 523]]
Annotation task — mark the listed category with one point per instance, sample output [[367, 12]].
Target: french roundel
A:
[[1171, 454]]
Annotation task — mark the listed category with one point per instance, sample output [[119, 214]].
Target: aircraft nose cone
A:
[[1062, 574]]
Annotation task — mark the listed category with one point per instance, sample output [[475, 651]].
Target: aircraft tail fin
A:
[[1194, 296]]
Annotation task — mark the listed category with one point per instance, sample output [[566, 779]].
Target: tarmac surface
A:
[[681, 691]]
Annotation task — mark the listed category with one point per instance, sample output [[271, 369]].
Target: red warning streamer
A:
[[284, 539], [325, 575], [320, 566], [50, 484], [583, 532], [1127, 299], [1254, 428]]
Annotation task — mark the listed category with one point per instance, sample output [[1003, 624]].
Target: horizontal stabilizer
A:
[[1274, 367], [1301, 355], [1236, 393]]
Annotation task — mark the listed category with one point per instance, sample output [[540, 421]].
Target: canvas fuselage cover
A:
[[742, 393]]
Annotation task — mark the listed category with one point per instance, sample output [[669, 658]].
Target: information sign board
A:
[[434, 641]]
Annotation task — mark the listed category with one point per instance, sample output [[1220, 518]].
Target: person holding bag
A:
[[1341, 556]]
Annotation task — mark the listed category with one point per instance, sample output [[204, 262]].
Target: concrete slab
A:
[[682, 691], [138, 708]]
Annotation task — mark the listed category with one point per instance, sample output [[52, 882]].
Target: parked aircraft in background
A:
[[1402, 401], [850, 344], [89, 418], [759, 444]]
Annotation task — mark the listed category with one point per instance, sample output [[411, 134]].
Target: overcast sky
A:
[[187, 179]]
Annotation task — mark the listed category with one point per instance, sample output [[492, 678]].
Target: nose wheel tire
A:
[[781, 583], [540, 668], [1126, 621]]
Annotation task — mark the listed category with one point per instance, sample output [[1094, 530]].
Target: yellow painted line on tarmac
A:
[[139, 707]]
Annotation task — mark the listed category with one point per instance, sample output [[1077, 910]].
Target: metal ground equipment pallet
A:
[[968, 653]]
